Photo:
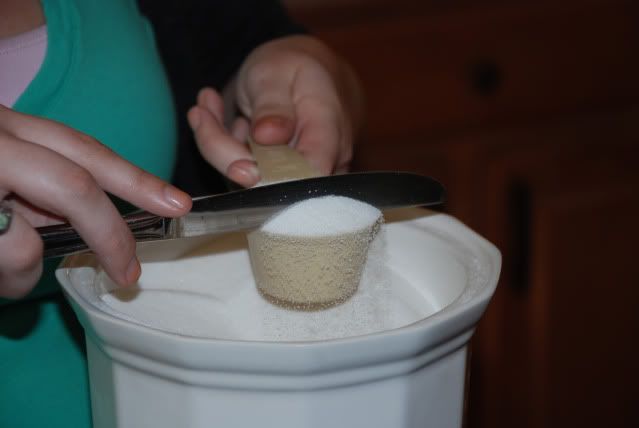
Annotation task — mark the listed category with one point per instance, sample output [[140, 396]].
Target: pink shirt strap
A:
[[20, 59]]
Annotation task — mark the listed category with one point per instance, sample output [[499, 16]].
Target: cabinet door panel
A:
[[584, 302], [555, 347]]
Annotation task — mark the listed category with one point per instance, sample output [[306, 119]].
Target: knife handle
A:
[[62, 239]]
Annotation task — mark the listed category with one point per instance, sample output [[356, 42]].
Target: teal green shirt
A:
[[101, 75]]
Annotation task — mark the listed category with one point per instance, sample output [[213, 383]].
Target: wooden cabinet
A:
[[556, 347], [528, 112]]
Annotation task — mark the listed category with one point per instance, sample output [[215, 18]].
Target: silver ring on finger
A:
[[6, 213]]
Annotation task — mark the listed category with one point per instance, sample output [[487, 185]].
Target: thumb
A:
[[271, 109]]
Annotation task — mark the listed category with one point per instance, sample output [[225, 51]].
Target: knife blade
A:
[[249, 208]]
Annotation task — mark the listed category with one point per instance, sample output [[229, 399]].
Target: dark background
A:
[[528, 112]]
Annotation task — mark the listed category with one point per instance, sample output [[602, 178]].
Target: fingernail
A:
[[272, 129], [249, 171], [277, 120], [175, 197], [245, 173], [133, 271]]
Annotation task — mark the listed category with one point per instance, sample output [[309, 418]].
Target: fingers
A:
[[109, 170], [241, 172], [289, 99], [21, 261], [219, 147], [36, 216], [240, 129], [292, 97], [325, 134], [63, 187], [320, 139], [273, 116], [266, 96], [209, 99]]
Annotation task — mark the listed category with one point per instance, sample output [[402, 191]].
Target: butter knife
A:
[[249, 208]]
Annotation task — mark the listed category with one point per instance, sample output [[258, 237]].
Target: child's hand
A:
[[292, 90], [50, 173]]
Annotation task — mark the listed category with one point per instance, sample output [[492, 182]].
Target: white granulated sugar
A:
[[327, 215], [212, 294], [312, 254]]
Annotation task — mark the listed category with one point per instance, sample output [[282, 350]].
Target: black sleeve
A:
[[203, 43]]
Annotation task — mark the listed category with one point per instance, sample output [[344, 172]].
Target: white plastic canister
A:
[[410, 376]]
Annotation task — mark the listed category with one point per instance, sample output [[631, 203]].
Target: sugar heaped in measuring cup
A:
[[312, 254]]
